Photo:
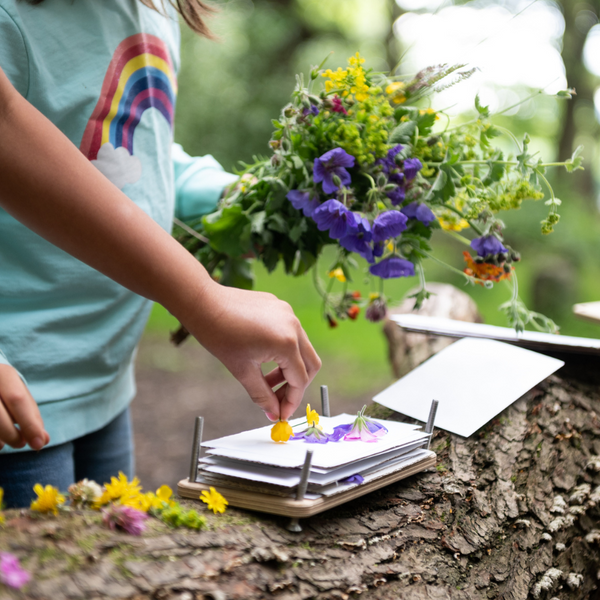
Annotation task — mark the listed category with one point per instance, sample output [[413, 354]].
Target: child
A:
[[87, 91]]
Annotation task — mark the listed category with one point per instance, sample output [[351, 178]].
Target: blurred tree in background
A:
[[230, 91]]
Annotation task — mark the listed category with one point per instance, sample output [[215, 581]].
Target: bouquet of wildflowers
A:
[[360, 162]]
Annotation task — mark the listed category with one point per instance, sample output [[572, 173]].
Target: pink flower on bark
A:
[[127, 518], [11, 572]]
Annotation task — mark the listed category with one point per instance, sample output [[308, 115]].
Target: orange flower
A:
[[353, 311], [484, 271]]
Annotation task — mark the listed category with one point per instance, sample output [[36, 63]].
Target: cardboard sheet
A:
[[473, 379], [528, 339]]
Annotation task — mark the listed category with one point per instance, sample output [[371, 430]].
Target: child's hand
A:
[[245, 329], [17, 407]]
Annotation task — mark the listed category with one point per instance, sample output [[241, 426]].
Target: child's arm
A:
[[47, 184]]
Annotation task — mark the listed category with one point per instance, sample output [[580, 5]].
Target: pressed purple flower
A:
[[411, 167], [388, 225], [313, 435], [397, 195], [358, 241], [339, 432], [488, 244], [421, 212], [392, 267], [361, 433], [375, 427], [332, 215], [354, 479], [334, 162], [127, 518], [303, 201], [11, 572]]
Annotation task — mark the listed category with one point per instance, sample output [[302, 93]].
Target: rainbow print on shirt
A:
[[140, 76]]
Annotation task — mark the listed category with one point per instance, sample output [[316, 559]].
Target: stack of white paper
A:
[[252, 461]]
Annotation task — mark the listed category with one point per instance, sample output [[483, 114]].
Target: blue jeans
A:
[[99, 456]]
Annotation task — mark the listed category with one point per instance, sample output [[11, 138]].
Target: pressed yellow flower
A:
[[215, 501], [281, 431], [338, 274], [48, 499], [312, 416]]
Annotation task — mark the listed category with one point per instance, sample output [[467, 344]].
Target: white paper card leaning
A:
[[473, 379]]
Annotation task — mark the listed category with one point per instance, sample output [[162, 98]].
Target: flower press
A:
[[309, 465]]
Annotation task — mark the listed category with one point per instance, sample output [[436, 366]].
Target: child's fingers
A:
[[18, 406], [297, 378], [259, 390]]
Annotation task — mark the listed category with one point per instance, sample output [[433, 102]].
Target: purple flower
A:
[[11, 572], [411, 167], [390, 168], [388, 225], [302, 201], [126, 517], [358, 241], [313, 435], [340, 431], [488, 244], [332, 215], [422, 212], [313, 110], [397, 195], [354, 479], [332, 163], [392, 267]]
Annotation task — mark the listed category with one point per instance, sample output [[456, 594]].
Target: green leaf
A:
[[303, 261], [276, 124], [425, 122], [277, 223], [440, 181], [258, 222], [297, 230], [270, 258], [575, 162], [237, 273], [484, 111], [228, 231], [297, 161], [403, 133]]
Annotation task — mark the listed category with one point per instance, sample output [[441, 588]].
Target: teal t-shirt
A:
[[105, 73]]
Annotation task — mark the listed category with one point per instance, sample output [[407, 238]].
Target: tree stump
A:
[[510, 513], [407, 350]]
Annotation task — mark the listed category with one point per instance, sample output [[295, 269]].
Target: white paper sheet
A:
[[256, 445], [473, 379], [529, 339], [290, 477], [379, 472]]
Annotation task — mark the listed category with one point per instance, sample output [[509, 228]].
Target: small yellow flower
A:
[[1, 497], [281, 431], [392, 88], [312, 416], [453, 225], [373, 296], [119, 489], [48, 499], [215, 501], [356, 60], [390, 246], [338, 274]]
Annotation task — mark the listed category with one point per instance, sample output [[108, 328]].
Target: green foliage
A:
[[177, 516]]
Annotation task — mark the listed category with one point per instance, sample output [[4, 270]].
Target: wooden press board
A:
[[590, 311], [288, 507]]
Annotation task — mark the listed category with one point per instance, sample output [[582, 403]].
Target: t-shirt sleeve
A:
[[199, 183], [13, 52]]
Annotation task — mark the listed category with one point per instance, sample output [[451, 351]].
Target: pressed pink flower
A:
[[360, 433], [11, 572], [127, 518]]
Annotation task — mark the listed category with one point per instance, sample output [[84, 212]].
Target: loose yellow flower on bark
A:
[[281, 431], [119, 489], [49, 499], [215, 501]]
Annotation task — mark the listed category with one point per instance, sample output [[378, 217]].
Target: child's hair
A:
[[193, 12]]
